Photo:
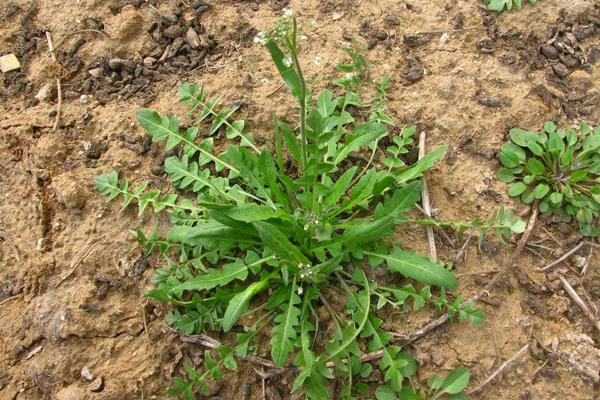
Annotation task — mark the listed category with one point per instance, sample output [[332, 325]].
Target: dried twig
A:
[[506, 266], [426, 203], [462, 253], [11, 244], [58, 84], [501, 369], [563, 257], [588, 261], [263, 385], [9, 299], [579, 301], [473, 28], [145, 325]]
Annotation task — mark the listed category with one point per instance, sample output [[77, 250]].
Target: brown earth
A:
[[74, 321]]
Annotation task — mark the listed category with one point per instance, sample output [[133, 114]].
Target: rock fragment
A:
[[9, 62]]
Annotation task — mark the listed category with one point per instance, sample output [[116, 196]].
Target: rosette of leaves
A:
[[558, 167], [269, 237], [500, 5]]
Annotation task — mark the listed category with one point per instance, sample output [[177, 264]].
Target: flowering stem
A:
[[303, 141]]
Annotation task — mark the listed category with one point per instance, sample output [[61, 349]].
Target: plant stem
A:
[[303, 140]]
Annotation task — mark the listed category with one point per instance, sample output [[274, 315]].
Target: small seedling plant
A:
[[501, 5], [559, 168], [269, 240]]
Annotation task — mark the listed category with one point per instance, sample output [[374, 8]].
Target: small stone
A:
[[254, 6], [381, 35], [44, 93], [437, 359], [446, 88], [560, 69], [69, 193], [119, 64], [192, 38], [549, 51], [172, 32], [9, 62], [157, 170], [96, 72], [83, 99], [41, 246], [593, 55], [569, 60], [171, 18], [486, 45], [444, 38], [392, 20], [337, 16], [150, 62], [86, 374]]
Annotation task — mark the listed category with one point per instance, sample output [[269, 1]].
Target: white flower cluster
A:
[[288, 12], [300, 291], [305, 271], [288, 62], [312, 220], [261, 38]]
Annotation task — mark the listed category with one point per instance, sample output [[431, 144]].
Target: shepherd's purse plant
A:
[[268, 240]]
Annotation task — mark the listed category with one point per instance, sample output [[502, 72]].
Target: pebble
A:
[[9, 62], [70, 194], [170, 18], [172, 32], [560, 69], [446, 88], [392, 20], [118, 64], [86, 374], [444, 38], [150, 62], [96, 72], [549, 51], [44, 93], [83, 99], [192, 38]]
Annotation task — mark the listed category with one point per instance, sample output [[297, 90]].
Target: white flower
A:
[[288, 62], [260, 39], [312, 23], [317, 60], [300, 291], [303, 37], [350, 75], [288, 12]]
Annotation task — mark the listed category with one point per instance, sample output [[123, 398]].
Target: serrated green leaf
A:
[[366, 134], [419, 268], [284, 333], [215, 277]]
